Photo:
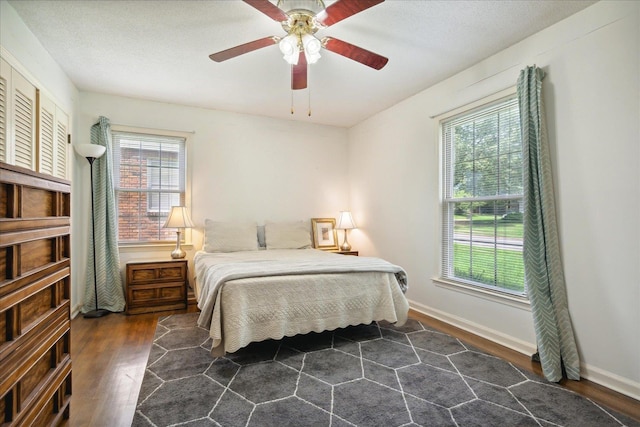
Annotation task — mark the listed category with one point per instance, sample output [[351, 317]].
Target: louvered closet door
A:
[[62, 144], [5, 77], [24, 109], [46, 134]]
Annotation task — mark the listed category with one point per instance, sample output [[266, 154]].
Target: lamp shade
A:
[[90, 150], [178, 218], [345, 221], [289, 48], [312, 48]]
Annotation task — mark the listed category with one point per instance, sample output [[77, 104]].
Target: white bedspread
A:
[[257, 295]]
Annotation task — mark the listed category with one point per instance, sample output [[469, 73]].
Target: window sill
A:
[[145, 247], [487, 294]]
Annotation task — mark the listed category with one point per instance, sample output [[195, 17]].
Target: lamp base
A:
[[93, 314], [178, 252], [345, 245]]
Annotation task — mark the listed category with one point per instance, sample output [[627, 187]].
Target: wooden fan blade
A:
[[342, 9], [354, 52], [299, 73], [269, 9], [243, 48]]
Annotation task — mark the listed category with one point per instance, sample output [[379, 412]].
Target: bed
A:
[[253, 295]]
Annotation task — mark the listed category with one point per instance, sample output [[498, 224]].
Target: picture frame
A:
[[325, 236]]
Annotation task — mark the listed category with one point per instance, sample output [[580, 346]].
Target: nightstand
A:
[[156, 286], [354, 253]]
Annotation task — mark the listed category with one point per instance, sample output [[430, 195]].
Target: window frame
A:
[[186, 235], [491, 293]]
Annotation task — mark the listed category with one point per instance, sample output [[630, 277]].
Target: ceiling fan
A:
[[301, 19]]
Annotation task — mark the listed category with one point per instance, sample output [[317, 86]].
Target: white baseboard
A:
[[76, 310], [599, 376], [611, 381], [498, 337]]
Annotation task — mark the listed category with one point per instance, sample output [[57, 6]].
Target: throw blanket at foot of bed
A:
[[257, 295]]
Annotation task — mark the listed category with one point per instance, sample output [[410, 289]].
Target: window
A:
[[482, 198], [149, 176]]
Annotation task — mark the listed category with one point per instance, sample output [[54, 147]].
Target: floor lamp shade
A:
[[91, 152], [346, 223], [178, 218]]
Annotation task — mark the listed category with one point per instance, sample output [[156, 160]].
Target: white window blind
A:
[[150, 177], [482, 198]]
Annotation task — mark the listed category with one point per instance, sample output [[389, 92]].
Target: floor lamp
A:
[[91, 152]]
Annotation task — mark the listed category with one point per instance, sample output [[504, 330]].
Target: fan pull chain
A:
[[309, 90], [292, 101]]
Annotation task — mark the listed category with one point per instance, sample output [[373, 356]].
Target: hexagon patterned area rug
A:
[[368, 375]]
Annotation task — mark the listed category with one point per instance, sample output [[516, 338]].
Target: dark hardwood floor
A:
[[109, 355]]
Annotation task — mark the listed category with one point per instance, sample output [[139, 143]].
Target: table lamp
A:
[[178, 219]]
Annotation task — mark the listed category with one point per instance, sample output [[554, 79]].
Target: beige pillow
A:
[[222, 236], [287, 235]]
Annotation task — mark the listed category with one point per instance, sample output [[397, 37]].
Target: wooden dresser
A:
[[35, 362]]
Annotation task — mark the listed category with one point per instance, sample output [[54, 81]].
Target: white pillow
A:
[[230, 236], [287, 235]]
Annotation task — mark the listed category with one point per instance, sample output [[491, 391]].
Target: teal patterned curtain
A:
[[110, 290], [542, 263]]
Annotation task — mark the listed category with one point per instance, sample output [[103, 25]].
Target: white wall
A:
[[241, 167], [592, 95]]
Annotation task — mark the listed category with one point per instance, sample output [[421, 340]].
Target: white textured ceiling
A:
[[158, 50]]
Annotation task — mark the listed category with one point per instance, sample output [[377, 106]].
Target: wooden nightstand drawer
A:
[[155, 272], [156, 286]]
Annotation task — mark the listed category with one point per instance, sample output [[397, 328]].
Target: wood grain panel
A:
[[171, 292], [36, 306], [17, 363], [3, 264], [36, 286], [171, 273], [65, 204], [32, 276], [142, 295], [22, 236], [4, 190], [3, 327], [37, 254], [33, 223], [36, 376], [3, 407], [143, 275], [37, 203]]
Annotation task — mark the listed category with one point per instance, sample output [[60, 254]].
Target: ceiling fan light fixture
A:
[[312, 47], [289, 48]]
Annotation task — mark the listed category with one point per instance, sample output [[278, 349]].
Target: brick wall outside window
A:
[[140, 215]]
